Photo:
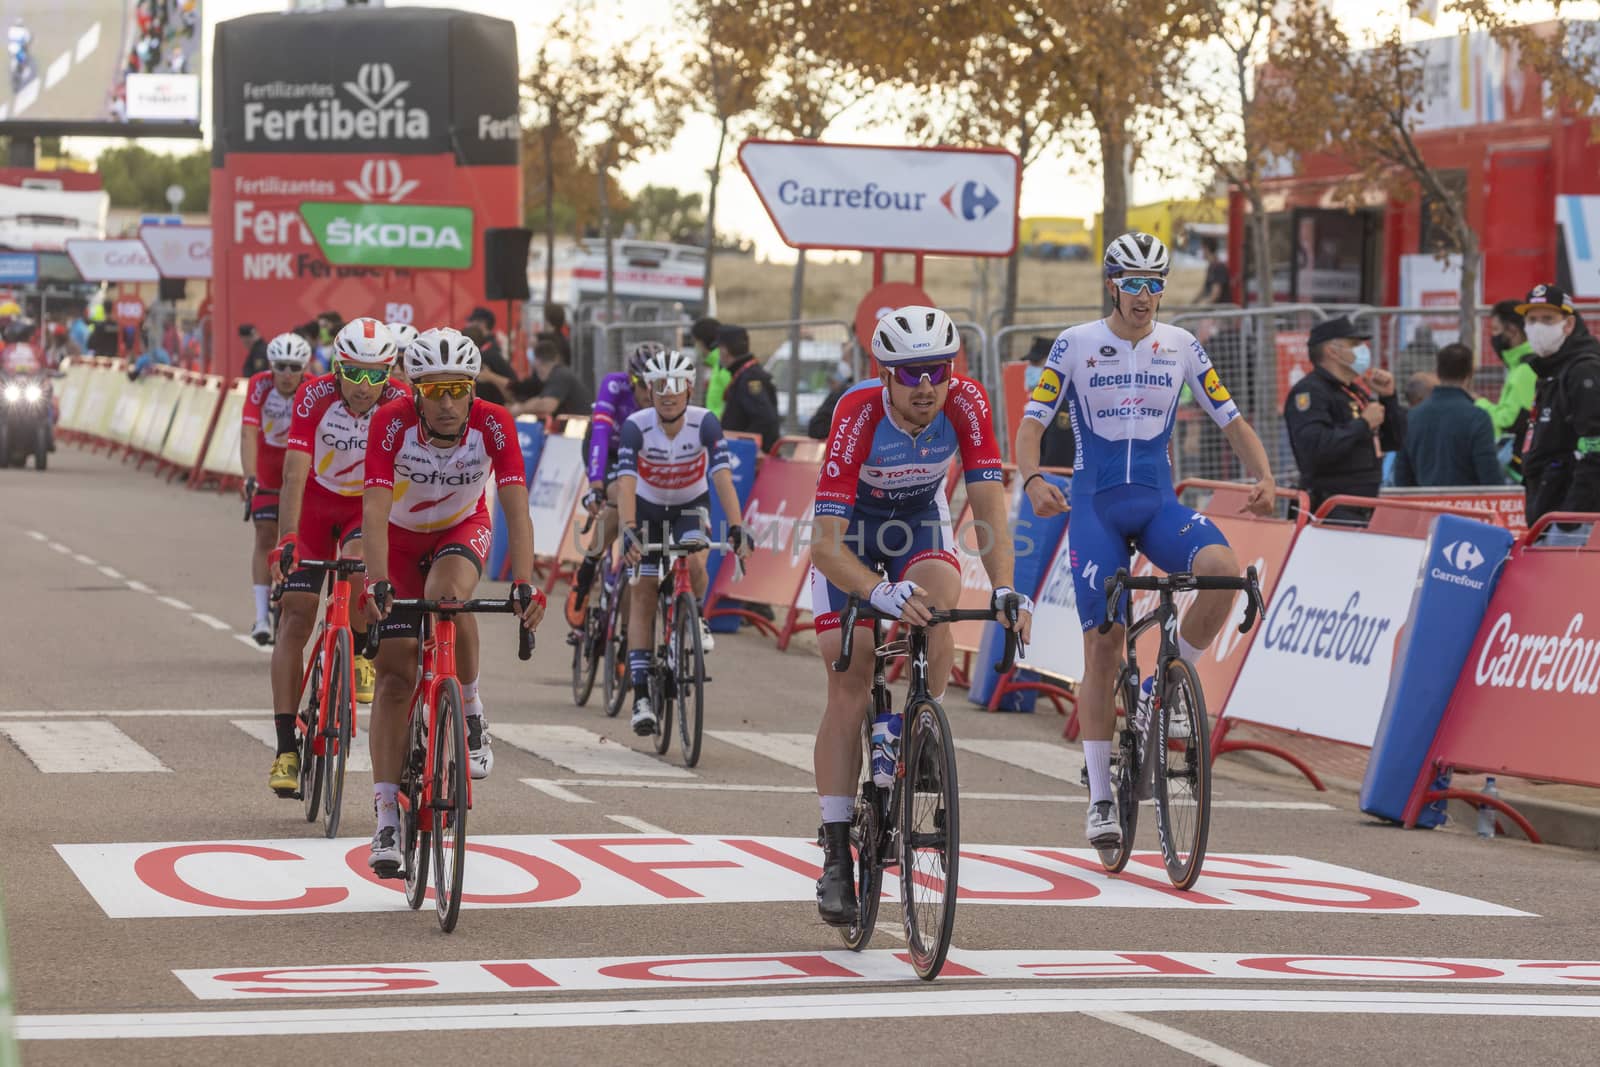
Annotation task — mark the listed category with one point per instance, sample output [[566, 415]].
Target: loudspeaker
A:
[[173, 288], [505, 262]]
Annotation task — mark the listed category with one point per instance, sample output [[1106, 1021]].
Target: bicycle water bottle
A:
[[885, 748], [1485, 812]]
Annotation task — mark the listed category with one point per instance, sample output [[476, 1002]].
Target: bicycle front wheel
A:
[[1125, 771], [930, 837], [1183, 775], [448, 814], [586, 654], [336, 745], [417, 838], [616, 648], [690, 672], [866, 835], [310, 740]]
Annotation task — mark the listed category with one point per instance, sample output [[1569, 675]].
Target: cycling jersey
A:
[[335, 437], [437, 488], [614, 402], [1122, 400], [676, 469], [270, 410], [875, 467]]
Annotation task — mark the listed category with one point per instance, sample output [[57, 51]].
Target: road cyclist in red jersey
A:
[[430, 457], [320, 512], [263, 438]]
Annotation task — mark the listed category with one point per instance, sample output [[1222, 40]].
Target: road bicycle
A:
[[603, 641], [1166, 757], [915, 824], [435, 788], [327, 716]]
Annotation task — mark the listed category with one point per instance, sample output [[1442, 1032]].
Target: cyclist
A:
[[668, 456], [1121, 378], [268, 407], [320, 511], [618, 397], [432, 454], [403, 333], [881, 504]]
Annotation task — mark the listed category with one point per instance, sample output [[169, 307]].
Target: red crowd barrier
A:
[[777, 520], [1538, 654]]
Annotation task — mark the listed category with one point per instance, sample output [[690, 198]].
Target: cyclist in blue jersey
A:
[[1121, 378], [881, 505], [619, 396]]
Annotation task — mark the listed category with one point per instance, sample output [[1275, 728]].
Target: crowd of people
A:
[[164, 36]]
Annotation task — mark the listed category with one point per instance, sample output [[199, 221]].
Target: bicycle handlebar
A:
[[854, 613], [1122, 582], [447, 608], [344, 567]]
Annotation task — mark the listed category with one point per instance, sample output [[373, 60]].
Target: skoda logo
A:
[[1463, 555]]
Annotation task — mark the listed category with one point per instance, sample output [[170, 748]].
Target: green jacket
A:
[[718, 377], [1516, 395]]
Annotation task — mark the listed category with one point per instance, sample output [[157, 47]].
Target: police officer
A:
[[1342, 417], [750, 403]]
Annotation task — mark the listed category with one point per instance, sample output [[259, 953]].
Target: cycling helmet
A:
[[672, 369], [289, 348], [914, 334], [365, 340], [641, 356], [442, 350], [403, 333], [1136, 251]]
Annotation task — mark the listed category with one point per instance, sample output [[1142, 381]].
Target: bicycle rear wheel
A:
[[448, 816], [310, 762], [416, 839], [336, 746], [690, 674], [1183, 775], [586, 655], [866, 831], [1125, 772], [662, 683], [616, 648], [930, 837]]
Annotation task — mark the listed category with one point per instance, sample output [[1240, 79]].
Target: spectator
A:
[[1561, 464], [1057, 448], [1419, 387], [561, 393], [750, 401], [79, 331], [839, 382], [1449, 440], [1218, 288], [1338, 429], [497, 381], [103, 338], [256, 360], [1510, 414], [704, 334], [555, 324], [329, 323]]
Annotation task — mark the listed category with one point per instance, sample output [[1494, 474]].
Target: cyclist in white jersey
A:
[[1122, 378]]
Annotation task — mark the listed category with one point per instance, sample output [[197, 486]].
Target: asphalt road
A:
[[178, 913]]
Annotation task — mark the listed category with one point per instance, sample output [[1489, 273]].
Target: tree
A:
[[135, 177], [661, 213], [563, 200], [560, 99]]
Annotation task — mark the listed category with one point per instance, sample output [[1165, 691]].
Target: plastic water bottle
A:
[[1485, 812], [885, 748]]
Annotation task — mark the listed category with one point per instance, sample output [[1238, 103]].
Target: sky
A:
[[1060, 184]]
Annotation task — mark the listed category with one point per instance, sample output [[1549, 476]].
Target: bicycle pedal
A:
[[388, 870]]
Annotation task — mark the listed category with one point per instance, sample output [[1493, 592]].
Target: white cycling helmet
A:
[[289, 348], [403, 333], [440, 351], [673, 369], [1136, 251], [367, 341], [914, 334]]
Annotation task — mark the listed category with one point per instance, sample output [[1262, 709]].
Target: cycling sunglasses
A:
[[669, 386], [454, 388], [287, 368], [1135, 286], [368, 375], [910, 375]]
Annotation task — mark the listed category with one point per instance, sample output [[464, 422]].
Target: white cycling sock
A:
[[1097, 755], [1188, 651], [386, 803], [469, 698], [837, 809], [263, 593]]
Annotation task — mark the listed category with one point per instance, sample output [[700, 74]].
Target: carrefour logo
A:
[[386, 235], [1463, 555], [969, 200]]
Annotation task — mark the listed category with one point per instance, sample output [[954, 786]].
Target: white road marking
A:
[[138, 713], [1198, 1047], [38, 535], [85, 560], [793, 750], [174, 602], [138, 587], [584, 751], [212, 621], [57, 70], [358, 760], [87, 43], [250, 642], [111, 572], [550, 788], [79, 747], [638, 824], [1051, 759], [26, 98], [922, 1003], [57, 546]]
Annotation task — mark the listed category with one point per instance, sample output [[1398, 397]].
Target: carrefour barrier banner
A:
[[743, 458], [1322, 660], [1057, 649], [530, 438], [1034, 542], [777, 519], [553, 491], [1463, 559]]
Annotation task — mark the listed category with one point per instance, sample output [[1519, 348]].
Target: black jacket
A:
[[1333, 446], [1449, 441], [821, 423], [750, 403], [1561, 459]]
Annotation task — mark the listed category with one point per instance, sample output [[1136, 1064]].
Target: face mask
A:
[[1362, 356], [1031, 376], [1546, 337], [1500, 342]]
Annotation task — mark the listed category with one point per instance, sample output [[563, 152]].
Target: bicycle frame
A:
[[335, 617], [436, 661]]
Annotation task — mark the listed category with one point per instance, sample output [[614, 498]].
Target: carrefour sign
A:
[[392, 235], [956, 201]]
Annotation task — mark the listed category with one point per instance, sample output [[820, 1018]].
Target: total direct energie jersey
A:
[[677, 469], [875, 467], [1123, 398], [436, 488], [332, 435]]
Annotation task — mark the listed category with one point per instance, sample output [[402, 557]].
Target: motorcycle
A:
[[22, 68], [26, 406]]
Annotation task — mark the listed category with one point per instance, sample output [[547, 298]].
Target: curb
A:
[[9, 1056]]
